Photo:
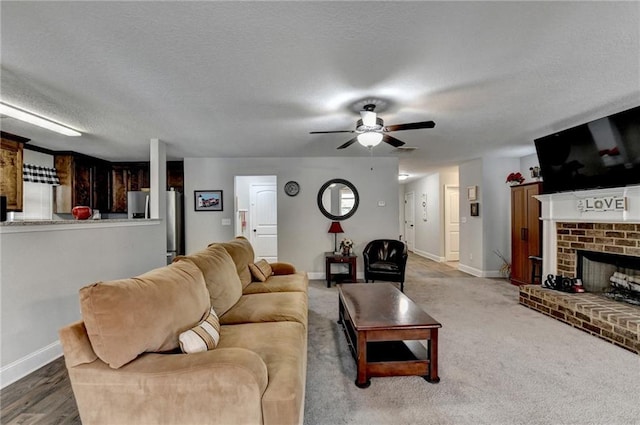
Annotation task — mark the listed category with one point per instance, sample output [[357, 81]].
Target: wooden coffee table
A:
[[383, 328]]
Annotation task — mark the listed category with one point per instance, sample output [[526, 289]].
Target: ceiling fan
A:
[[371, 129]]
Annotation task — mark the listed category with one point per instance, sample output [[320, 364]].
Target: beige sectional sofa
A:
[[124, 357]]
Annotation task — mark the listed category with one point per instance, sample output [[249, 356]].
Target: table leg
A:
[[362, 380], [327, 267], [433, 357]]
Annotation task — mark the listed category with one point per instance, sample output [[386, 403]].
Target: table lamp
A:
[[335, 228]]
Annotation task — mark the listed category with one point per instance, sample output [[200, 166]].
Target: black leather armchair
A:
[[385, 259]]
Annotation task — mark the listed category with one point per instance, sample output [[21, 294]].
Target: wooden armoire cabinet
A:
[[526, 231]]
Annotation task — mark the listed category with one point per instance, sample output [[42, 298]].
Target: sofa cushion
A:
[[242, 254], [270, 307], [283, 347], [126, 317], [205, 336], [220, 276], [260, 270], [297, 282]]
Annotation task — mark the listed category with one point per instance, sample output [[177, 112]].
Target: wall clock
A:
[[292, 188]]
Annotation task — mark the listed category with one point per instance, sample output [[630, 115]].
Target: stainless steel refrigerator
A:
[[138, 207]]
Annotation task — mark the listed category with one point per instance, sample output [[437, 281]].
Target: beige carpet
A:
[[499, 363]]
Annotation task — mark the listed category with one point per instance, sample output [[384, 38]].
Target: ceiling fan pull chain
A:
[[371, 156]]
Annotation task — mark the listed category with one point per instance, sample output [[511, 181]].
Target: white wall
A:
[[496, 212], [471, 230], [302, 229], [491, 230], [44, 266]]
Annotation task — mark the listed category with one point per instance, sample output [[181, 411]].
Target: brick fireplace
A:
[[618, 238], [569, 231]]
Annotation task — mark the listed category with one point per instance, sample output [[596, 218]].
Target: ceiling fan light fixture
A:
[[370, 139], [368, 118]]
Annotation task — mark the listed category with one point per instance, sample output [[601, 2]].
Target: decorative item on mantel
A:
[[335, 228], [345, 246], [515, 178]]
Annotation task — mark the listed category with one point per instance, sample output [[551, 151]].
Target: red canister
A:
[[81, 212]]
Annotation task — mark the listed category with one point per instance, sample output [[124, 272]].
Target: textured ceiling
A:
[[233, 79]]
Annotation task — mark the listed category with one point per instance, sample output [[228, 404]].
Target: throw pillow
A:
[[261, 270], [203, 337]]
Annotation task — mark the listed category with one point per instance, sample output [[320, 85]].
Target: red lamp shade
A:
[[335, 227]]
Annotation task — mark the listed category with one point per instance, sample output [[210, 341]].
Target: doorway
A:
[[256, 215], [452, 223], [409, 219]]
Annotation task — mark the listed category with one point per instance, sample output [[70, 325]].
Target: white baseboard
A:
[[429, 255], [470, 270], [479, 273], [29, 363]]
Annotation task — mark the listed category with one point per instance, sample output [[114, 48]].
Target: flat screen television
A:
[[599, 154]]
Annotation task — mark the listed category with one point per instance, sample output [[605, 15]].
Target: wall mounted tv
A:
[[599, 154]]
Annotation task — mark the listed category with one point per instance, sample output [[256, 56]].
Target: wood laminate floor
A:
[[42, 397], [45, 397]]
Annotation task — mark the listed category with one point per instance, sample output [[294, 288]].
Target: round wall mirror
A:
[[338, 199]]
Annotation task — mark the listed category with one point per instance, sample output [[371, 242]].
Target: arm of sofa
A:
[[219, 386], [282, 268]]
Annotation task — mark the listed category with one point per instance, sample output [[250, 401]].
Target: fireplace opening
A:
[[612, 275]]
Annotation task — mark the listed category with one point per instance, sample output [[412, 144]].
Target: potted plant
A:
[[515, 178]]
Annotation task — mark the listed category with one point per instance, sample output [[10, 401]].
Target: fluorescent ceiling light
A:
[[31, 118], [403, 176], [369, 139]]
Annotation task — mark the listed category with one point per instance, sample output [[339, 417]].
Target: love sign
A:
[[603, 203]]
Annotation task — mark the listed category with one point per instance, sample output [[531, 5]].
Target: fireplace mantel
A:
[[563, 207]]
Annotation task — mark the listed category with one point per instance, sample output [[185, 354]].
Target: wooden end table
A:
[[383, 328], [350, 260]]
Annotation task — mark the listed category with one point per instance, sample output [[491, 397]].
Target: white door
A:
[[264, 221], [409, 219], [452, 223]]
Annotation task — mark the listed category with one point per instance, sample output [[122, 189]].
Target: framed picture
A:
[[208, 200], [475, 209], [472, 193]]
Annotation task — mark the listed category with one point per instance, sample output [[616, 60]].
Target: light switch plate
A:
[[226, 222]]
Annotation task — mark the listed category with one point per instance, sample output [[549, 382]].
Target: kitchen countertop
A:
[[53, 225], [45, 222]]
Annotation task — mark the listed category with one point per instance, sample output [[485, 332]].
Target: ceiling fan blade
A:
[[349, 143], [392, 140], [328, 132], [410, 126]]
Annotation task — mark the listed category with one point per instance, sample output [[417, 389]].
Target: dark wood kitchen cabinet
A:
[[11, 148], [84, 180], [526, 231], [127, 176]]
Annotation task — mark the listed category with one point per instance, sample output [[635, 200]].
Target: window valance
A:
[[38, 174]]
